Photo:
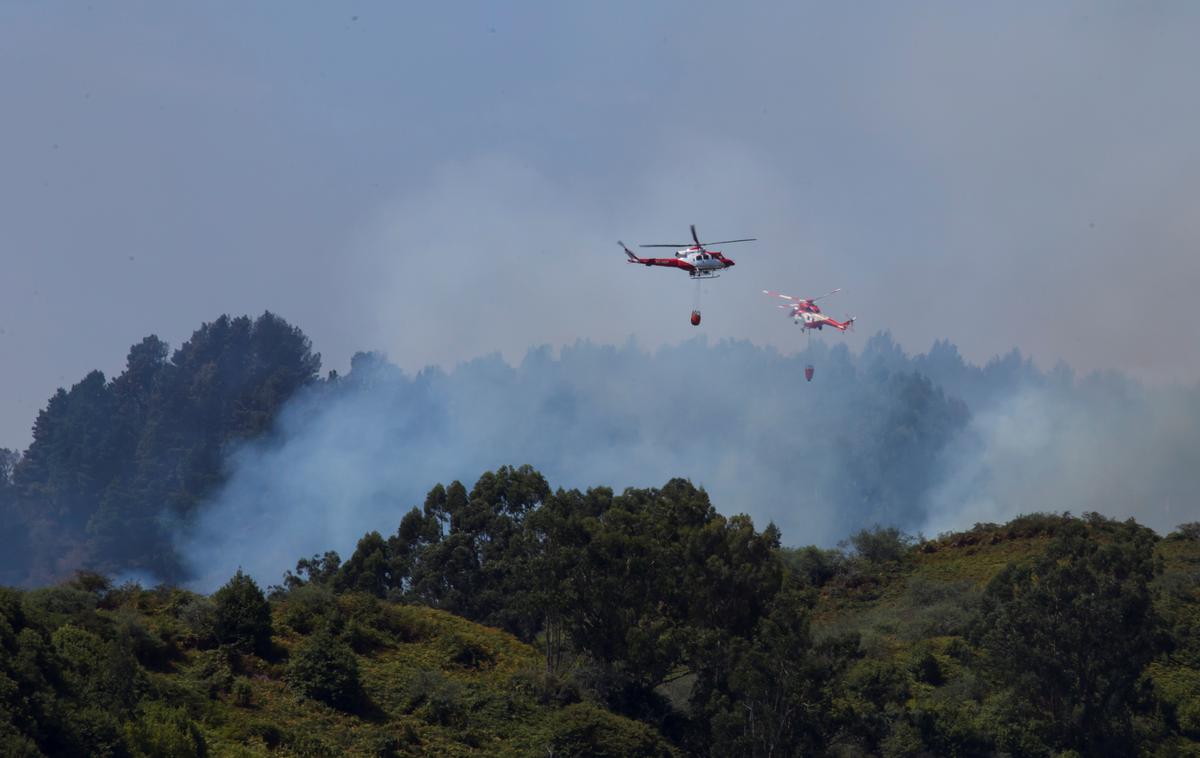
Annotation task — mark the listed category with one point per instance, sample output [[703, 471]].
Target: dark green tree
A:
[[243, 617], [650, 581], [476, 568], [324, 668], [368, 570], [1072, 631], [318, 570], [14, 554], [774, 698]]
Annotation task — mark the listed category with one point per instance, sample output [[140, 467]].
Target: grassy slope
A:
[[923, 605], [435, 684]]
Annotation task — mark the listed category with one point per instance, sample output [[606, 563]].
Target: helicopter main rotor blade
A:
[[668, 244], [726, 242], [827, 294], [696, 237]]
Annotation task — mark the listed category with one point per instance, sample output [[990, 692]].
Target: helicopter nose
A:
[[728, 262]]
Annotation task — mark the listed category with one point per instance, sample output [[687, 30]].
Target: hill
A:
[[888, 646], [93, 670], [925, 617]]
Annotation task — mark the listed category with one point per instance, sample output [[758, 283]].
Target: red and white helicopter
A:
[[805, 312], [697, 259]]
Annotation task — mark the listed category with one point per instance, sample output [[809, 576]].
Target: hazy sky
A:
[[440, 181]]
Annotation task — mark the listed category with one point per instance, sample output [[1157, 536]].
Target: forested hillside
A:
[[515, 618], [132, 475], [642, 624], [232, 451], [115, 466]]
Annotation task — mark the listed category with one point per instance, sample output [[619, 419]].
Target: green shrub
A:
[[585, 730], [199, 616], [270, 734], [78, 649], [925, 668], [213, 671], [147, 645], [361, 637], [958, 649], [309, 607], [95, 731], [468, 653], [544, 687], [243, 617], [55, 606], [1189, 531], [164, 731], [324, 668], [440, 699], [879, 544], [14, 744], [813, 565], [243, 693], [310, 744], [407, 624]]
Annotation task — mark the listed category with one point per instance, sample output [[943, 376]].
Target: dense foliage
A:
[[658, 607], [241, 616], [120, 473], [112, 464], [640, 622], [1043, 636]]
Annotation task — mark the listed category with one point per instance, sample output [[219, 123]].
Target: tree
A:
[[475, 568], [1072, 632], [368, 570], [163, 730], [651, 581], [773, 698], [318, 570], [324, 668], [243, 617], [14, 554], [879, 544]]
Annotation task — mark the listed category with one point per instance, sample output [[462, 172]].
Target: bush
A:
[[55, 606], [150, 649], [270, 734], [243, 617], [1189, 531], [199, 616], [939, 609], [94, 730], [584, 729], [467, 652], [407, 624], [362, 638], [879, 544], [213, 671], [323, 668], [545, 687], [441, 698], [243, 693], [958, 649], [813, 565], [90, 581], [925, 668], [162, 730], [309, 607]]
